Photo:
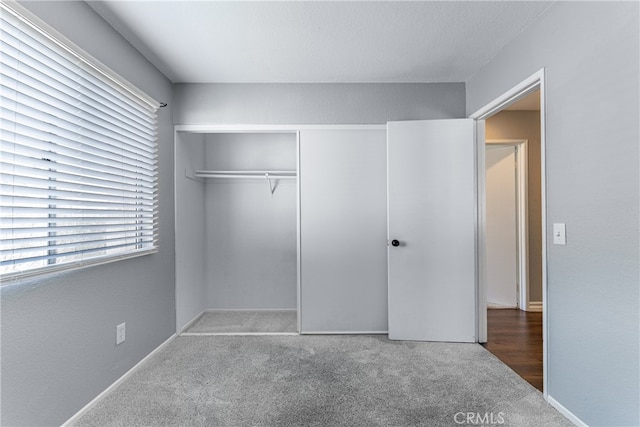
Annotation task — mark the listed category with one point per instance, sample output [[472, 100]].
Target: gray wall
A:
[[316, 103], [58, 331], [251, 234], [590, 52], [526, 125]]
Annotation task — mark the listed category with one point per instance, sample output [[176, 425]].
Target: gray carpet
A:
[[320, 381], [244, 321]]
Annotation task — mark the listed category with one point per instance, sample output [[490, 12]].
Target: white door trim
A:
[[248, 128], [521, 147], [520, 90], [298, 239]]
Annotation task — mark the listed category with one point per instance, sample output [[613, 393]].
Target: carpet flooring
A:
[[245, 321], [321, 381]]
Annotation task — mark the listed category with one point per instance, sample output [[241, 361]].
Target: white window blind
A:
[[78, 155]]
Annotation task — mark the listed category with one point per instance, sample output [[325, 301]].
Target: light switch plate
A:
[[559, 234]]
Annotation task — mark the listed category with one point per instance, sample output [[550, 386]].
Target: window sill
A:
[[13, 278]]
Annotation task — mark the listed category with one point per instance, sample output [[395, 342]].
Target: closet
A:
[[347, 229], [350, 229], [289, 219], [236, 223]]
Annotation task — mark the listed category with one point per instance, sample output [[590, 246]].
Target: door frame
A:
[[532, 83], [521, 147]]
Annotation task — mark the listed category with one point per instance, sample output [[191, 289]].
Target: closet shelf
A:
[[268, 175], [246, 174]]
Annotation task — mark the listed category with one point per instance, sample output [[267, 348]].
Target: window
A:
[[78, 155]]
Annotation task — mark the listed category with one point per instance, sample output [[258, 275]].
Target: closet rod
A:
[[268, 175], [219, 175]]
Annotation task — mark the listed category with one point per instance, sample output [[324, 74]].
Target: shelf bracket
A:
[[191, 174], [271, 187]]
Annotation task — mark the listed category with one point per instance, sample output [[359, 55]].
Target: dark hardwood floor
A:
[[515, 337]]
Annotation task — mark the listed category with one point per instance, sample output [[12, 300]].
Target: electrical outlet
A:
[[120, 333]]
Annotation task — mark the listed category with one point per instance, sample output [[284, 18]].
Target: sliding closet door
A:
[[343, 231]]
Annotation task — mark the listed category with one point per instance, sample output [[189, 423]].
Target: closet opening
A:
[[237, 232]]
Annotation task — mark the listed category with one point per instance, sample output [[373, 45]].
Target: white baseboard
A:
[[497, 306], [344, 332], [117, 382], [237, 334], [213, 310], [535, 306], [190, 323], [567, 413]]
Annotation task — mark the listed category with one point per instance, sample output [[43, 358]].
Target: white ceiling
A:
[[319, 41]]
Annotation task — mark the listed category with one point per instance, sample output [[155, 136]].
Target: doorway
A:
[[507, 242], [528, 319], [514, 323]]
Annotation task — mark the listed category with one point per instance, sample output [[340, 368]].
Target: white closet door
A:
[[432, 217], [343, 231]]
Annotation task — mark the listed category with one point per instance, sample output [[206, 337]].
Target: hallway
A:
[[515, 337]]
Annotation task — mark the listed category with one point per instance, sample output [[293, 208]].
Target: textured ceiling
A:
[[317, 42]]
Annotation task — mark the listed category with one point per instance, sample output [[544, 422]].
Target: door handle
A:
[[395, 242]]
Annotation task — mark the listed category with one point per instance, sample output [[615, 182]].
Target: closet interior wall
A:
[[190, 223], [236, 238], [251, 232]]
